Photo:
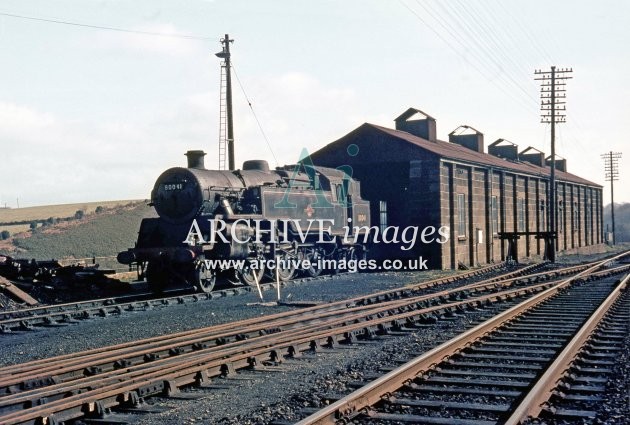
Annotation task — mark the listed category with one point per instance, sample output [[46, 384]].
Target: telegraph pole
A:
[[227, 107], [612, 174], [552, 106]]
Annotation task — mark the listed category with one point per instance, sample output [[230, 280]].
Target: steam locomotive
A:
[[299, 214]]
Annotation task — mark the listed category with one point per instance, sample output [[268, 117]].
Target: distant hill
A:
[[622, 221], [102, 233], [43, 212]]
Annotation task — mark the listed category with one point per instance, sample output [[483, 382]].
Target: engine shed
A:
[[413, 179]]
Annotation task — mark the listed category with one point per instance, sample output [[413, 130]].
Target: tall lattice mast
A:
[[226, 126]]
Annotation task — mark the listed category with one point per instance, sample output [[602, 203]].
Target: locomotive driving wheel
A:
[[248, 274], [287, 271], [353, 256], [203, 278], [314, 257]]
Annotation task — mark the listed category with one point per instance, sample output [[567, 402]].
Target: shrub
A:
[[33, 225], [99, 209], [105, 235], [79, 214], [5, 234]]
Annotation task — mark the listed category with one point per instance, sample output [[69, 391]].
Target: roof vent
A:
[[504, 149], [195, 159], [468, 137], [533, 156], [423, 125], [256, 164], [561, 163]]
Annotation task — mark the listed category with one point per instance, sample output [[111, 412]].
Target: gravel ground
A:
[[252, 397], [20, 347], [615, 410], [301, 383]]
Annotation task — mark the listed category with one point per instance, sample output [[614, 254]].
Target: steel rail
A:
[[159, 346], [532, 403], [248, 356], [177, 376], [177, 372], [156, 375], [229, 352], [371, 393], [369, 299], [59, 366], [22, 318]]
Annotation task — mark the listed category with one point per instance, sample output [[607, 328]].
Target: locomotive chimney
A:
[[195, 159]]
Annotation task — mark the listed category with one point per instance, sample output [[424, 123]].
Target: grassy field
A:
[[98, 235], [15, 228], [41, 213]]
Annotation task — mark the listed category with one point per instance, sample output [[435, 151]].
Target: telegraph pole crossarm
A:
[[552, 106], [612, 174]]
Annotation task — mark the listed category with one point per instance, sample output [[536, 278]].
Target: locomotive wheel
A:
[[356, 254], [245, 276], [204, 279], [313, 256], [286, 273]]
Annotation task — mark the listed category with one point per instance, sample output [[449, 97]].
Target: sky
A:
[[94, 114]]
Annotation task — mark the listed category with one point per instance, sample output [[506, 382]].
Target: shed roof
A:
[[456, 152]]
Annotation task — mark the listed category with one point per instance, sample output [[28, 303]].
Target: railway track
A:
[[573, 387], [69, 313], [506, 369], [88, 383]]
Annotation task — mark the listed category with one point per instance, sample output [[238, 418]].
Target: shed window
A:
[[543, 216], [461, 215], [587, 217], [576, 217], [382, 209], [520, 212], [494, 211], [560, 215]]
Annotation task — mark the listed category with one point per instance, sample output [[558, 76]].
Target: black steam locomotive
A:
[[294, 216]]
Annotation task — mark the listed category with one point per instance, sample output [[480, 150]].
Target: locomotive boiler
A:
[[232, 224]]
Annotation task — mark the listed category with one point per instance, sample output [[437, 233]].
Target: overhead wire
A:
[[483, 46], [454, 34], [102, 27], [528, 50], [499, 45], [538, 49], [491, 59], [533, 40], [468, 61], [182, 36], [487, 53], [542, 51], [251, 107]]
